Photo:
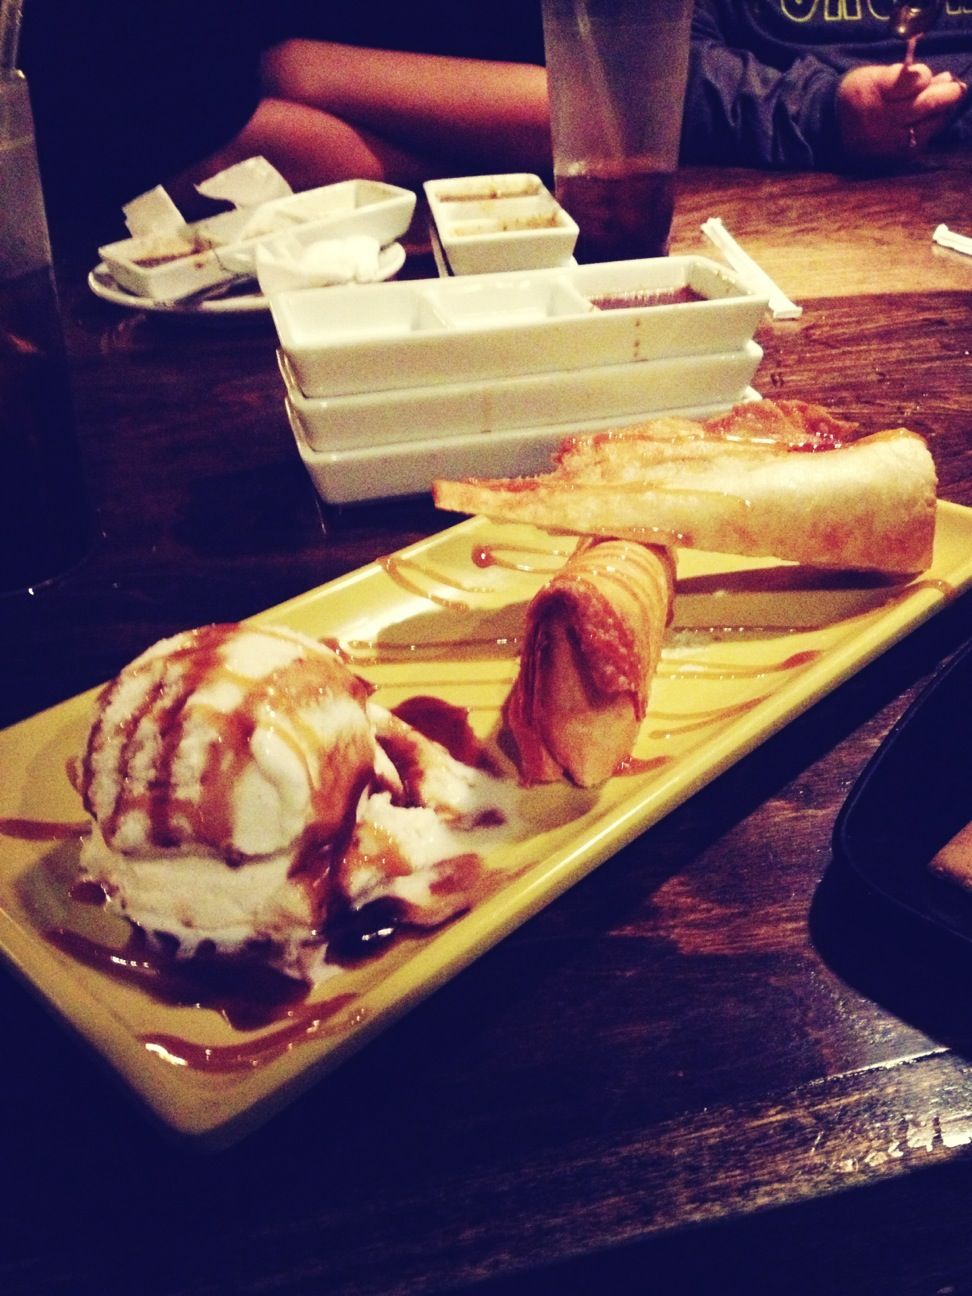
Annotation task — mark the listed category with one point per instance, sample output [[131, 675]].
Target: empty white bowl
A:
[[375, 472]]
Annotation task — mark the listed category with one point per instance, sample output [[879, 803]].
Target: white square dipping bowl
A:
[[500, 222]]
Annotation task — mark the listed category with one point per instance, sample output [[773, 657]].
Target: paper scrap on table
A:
[[286, 262], [752, 274], [245, 185], [945, 237], [153, 213]]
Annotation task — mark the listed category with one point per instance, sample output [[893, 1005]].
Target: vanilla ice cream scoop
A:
[[247, 796], [223, 765], [233, 738]]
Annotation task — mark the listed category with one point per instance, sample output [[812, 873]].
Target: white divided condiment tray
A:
[[500, 222], [379, 337], [222, 247], [408, 468], [525, 401]]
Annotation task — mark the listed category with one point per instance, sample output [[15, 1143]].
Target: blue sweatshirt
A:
[[763, 75]]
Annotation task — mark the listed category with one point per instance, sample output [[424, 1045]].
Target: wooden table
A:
[[712, 1066]]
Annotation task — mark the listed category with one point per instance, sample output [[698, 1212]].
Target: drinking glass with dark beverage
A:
[[616, 74], [44, 518]]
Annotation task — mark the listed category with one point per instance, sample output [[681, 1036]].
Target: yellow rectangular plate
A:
[[754, 643]]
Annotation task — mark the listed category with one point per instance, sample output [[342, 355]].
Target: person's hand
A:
[[889, 111]]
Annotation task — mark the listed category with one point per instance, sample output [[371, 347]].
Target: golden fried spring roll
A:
[[784, 480], [592, 641]]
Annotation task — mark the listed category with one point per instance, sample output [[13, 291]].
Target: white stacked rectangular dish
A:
[[390, 385], [529, 402], [402, 468], [410, 333]]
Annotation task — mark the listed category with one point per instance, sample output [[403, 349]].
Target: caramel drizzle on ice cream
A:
[[171, 688]]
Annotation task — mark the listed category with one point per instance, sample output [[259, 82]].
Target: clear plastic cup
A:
[[616, 73]]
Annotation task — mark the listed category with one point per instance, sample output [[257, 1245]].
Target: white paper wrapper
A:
[[246, 184], [153, 213], [781, 307], [287, 262], [167, 259], [945, 237]]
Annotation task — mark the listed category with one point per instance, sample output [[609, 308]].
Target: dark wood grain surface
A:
[[713, 1066]]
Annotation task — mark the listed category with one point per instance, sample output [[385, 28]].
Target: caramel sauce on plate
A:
[[42, 830], [242, 989], [517, 557], [313, 1021], [634, 765], [448, 725]]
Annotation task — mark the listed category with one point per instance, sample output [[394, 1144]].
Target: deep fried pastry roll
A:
[[783, 480], [591, 645]]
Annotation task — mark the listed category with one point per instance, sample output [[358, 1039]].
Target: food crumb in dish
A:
[[648, 297], [158, 253], [488, 193], [513, 225]]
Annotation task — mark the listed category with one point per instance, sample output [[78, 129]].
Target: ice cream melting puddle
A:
[[244, 990]]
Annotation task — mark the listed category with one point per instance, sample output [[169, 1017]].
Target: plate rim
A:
[[255, 302], [249, 303]]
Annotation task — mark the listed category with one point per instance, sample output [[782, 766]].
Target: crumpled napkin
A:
[[288, 261]]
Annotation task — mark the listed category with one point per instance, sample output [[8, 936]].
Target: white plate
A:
[[103, 284]]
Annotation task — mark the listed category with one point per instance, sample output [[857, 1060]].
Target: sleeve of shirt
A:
[[740, 111]]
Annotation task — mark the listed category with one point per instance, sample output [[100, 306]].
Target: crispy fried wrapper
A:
[[774, 479], [954, 861], [592, 642]]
